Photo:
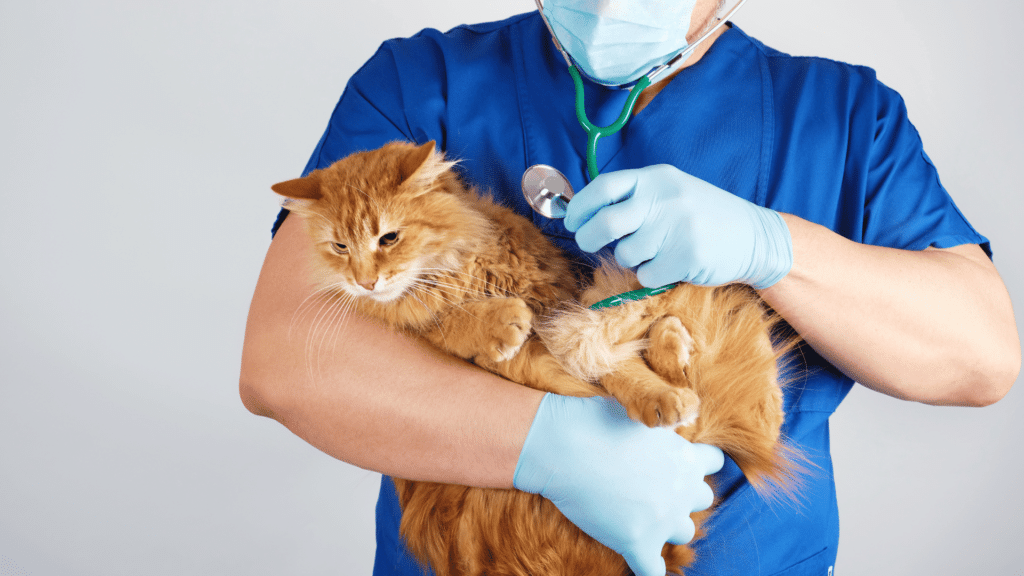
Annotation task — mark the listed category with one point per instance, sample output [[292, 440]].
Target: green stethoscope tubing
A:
[[631, 296], [596, 132]]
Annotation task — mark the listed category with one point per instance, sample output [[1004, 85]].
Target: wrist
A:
[[773, 249], [532, 474]]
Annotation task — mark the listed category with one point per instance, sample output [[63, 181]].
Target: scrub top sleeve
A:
[[906, 205], [369, 114]]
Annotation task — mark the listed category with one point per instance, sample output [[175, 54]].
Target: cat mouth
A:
[[381, 292]]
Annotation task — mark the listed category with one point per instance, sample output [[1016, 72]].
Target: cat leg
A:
[[670, 349], [495, 334], [536, 367], [648, 398], [493, 329]]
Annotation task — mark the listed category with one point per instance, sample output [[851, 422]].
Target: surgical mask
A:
[[616, 42]]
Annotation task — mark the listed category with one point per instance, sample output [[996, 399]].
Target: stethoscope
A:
[[546, 189]]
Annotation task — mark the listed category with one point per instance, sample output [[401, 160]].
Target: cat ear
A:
[[423, 167], [415, 159], [306, 188]]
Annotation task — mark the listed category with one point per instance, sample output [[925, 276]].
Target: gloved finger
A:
[[609, 224], [606, 189], [691, 265], [640, 246], [684, 533], [648, 562], [683, 258], [710, 457], [703, 497], [661, 270]]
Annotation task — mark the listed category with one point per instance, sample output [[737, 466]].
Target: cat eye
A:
[[340, 248], [389, 239]]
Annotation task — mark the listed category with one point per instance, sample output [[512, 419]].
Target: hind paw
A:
[[670, 349]]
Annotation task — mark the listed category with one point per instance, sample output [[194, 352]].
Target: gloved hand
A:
[[679, 228], [628, 486]]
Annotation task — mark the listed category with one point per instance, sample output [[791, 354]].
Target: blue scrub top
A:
[[819, 139]]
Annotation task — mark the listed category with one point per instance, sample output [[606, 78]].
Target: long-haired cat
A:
[[400, 238]]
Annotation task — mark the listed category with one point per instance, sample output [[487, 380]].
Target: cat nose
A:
[[368, 285]]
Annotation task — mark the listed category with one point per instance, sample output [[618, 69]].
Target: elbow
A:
[[989, 382], [997, 354], [1002, 372], [253, 384], [987, 394], [999, 381], [252, 399]]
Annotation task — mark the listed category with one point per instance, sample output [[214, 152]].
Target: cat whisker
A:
[[457, 273], [332, 320], [432, 317], [453, 288], [430, 289], [347, 305], [312, 360], [473, 279], [311, 300], [304, 307], [430, 292], [439, 279], [311, 356]]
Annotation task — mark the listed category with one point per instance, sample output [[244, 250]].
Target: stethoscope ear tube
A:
[[596, 132]]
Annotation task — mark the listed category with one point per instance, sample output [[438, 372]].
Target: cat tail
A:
[[778, 475], [740, 369], [780, 478]]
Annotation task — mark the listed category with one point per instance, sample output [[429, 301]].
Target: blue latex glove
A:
[[679, 228], [628, 486]]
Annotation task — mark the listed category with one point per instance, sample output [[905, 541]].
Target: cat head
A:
[[383, 219]]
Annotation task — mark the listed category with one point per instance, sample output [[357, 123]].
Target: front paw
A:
[[664, 406], [510, 321]]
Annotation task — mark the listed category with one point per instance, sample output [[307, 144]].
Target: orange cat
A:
[[401, 239]]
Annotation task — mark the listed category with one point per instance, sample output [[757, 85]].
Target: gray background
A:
[[138, 141]]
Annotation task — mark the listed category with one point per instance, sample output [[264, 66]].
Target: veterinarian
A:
[[799, 176]]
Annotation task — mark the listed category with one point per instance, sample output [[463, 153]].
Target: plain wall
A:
[[138, 141]]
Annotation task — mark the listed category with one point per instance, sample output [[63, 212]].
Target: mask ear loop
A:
[[540, 10], [657, 71]]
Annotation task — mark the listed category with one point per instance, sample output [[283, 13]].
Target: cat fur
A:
[[482, 283]]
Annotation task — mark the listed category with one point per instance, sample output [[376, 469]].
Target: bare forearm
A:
[[934, 326], [372, 397]]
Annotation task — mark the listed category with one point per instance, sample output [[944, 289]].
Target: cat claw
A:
[[505, 352]]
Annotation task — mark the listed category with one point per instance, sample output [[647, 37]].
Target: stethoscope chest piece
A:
[[546, 190]]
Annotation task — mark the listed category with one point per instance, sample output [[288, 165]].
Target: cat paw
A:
[[670, 349], [511, 321], [667, 406]]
